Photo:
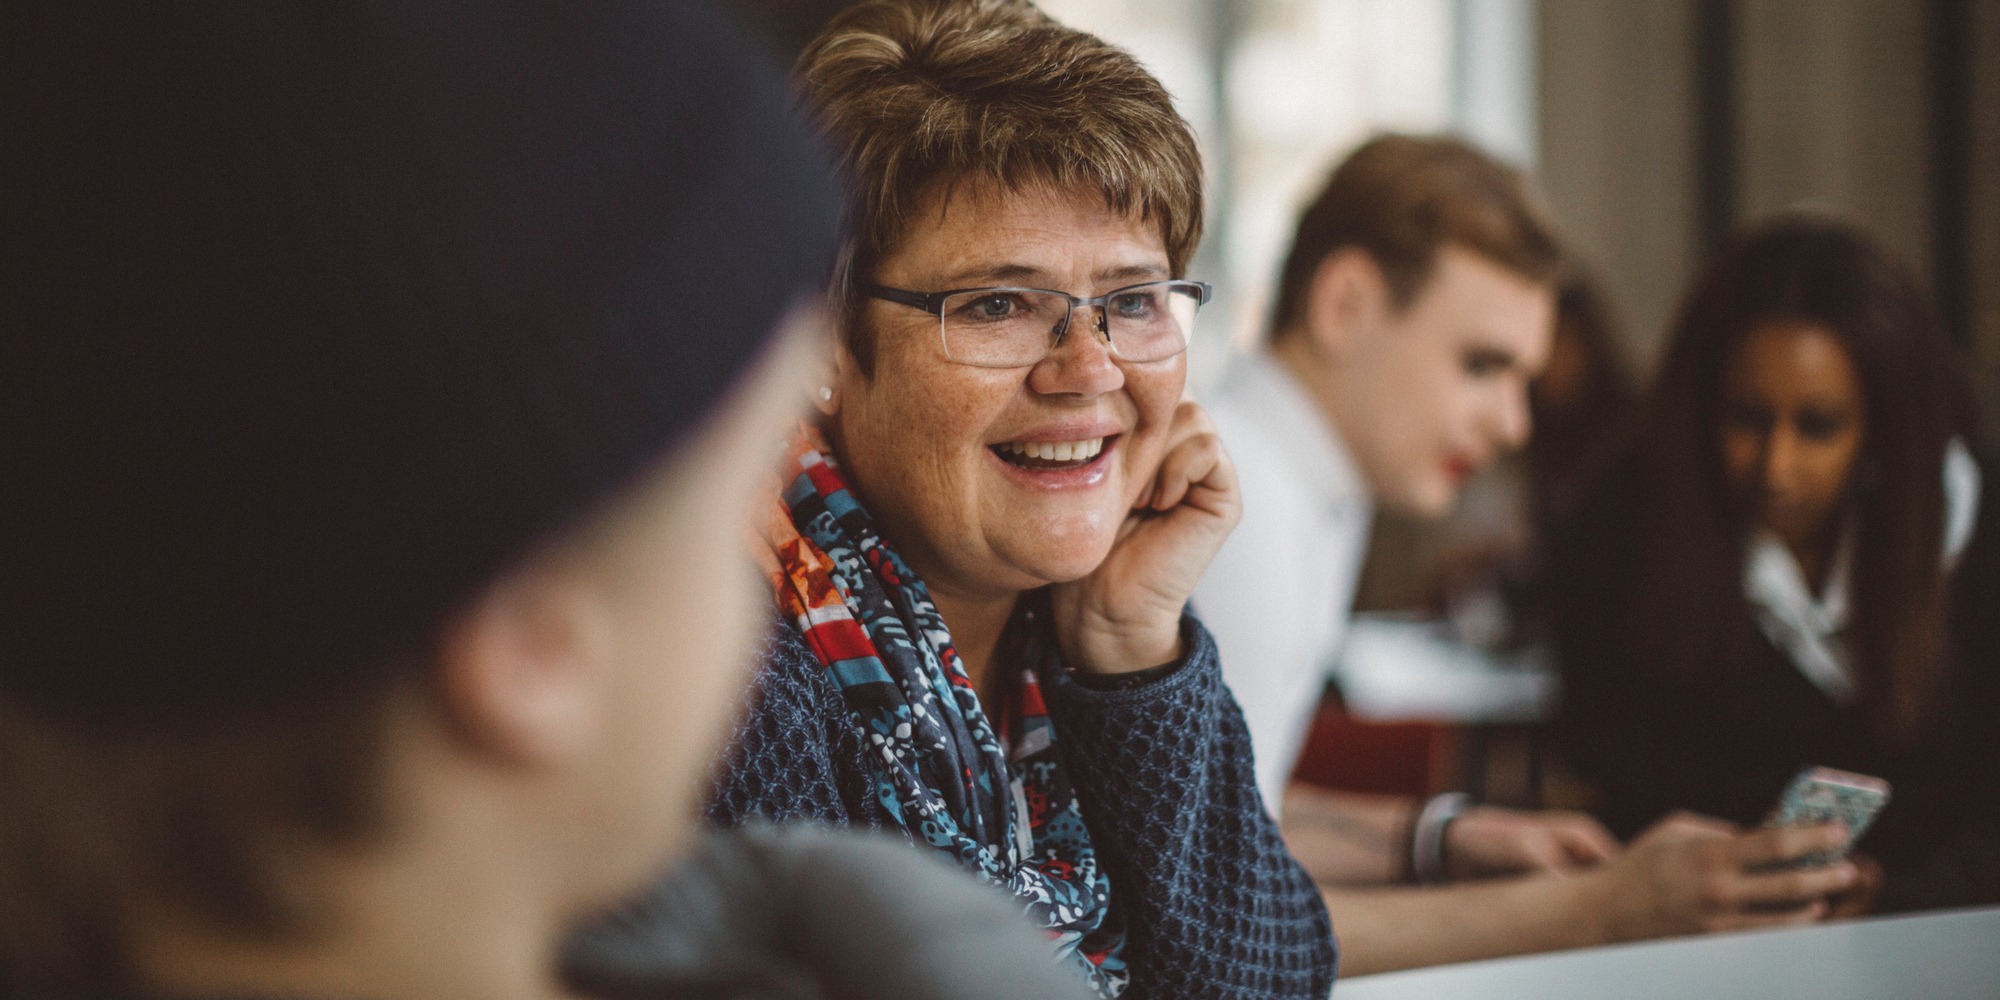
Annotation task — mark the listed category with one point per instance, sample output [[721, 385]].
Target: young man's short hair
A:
[[1404, 198]]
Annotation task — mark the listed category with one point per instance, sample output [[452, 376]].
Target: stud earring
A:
[[826, 394]]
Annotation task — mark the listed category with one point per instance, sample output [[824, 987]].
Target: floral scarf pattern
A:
[[992, 797]]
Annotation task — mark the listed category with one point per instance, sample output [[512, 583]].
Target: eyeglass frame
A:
[[933, 303]]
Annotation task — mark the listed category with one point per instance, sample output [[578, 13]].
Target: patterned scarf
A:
[[941, 769]]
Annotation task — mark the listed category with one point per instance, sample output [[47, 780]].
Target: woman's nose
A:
[[1780, 460], [1081, 363]]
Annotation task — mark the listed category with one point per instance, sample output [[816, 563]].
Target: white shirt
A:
[[1278, 595], [1811, 628]]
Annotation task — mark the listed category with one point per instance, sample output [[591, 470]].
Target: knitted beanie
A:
[[314, 316]]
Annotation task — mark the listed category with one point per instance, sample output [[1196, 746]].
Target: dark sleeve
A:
[[1953, 817], [1622, 726], [793, 757], [1963, 871], [1626, 736], [1213, 903], [1963, 868]]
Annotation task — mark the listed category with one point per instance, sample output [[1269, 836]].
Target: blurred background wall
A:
[[1667, 122], [1652, 126]]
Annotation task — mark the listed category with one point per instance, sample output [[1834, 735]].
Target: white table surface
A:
[[1950, 954], [1393, 669]]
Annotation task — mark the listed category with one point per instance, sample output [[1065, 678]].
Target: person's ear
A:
[[1346, 304], [838, 375], [524, 671]]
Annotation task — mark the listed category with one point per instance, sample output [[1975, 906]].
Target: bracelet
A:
[[1427, 836]]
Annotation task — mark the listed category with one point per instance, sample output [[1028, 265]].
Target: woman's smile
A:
[[1064, 455], [1050, 454]]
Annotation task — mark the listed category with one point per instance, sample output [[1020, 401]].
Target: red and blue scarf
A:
[[942, 770]]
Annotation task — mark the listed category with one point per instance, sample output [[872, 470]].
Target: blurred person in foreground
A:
[[1794, 564], [382, 395], [991, 526], [1413, 311]]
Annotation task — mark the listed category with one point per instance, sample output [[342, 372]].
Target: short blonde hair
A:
[[918, 95]]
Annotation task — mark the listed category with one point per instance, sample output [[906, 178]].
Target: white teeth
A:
[[1056, 451]]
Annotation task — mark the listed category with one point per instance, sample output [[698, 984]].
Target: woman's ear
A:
[[1346, 303], [836, 371], [524, 671]]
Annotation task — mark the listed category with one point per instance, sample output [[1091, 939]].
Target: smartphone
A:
[[1824, 795]]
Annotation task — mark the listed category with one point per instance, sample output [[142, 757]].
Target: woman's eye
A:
[[1818, 426], [1134, 305], [988, 308]]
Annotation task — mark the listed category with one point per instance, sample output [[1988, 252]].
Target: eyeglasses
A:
[[1017, 327]]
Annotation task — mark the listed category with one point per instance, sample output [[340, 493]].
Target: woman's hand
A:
[[1126, 614], [1487, 840], [1860, 900], [1690, 874]]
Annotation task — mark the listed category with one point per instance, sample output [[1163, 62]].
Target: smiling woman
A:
[[978, 527], [987, 539]]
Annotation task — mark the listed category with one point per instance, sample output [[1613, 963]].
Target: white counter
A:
[[1948, 954]]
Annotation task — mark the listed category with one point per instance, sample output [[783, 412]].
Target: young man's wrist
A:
[[1427, 835]]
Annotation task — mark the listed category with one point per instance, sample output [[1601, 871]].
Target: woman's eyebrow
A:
[[993, 274], [1132, 272], [1029, 274]]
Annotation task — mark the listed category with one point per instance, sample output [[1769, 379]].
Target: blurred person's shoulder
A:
[[1287, 454], [810, 912]]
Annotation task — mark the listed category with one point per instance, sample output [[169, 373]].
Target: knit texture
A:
[[1214, 904]]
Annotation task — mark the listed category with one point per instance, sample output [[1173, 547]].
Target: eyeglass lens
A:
[[1013, 327]]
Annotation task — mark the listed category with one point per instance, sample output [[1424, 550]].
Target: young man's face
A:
[[1427, 395]]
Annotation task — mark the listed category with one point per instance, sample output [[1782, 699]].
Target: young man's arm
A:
[[1353, 839], [1684, 876]]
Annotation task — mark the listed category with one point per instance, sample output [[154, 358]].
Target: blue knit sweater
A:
[[1214, 904]]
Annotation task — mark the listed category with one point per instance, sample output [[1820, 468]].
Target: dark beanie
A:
[[314, 316]]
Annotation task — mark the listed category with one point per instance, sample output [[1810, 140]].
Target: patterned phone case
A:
[[1824, 795]]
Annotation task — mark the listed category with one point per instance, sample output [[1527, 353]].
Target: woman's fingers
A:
[[1194, 458], [1791, 887], [1859, 900], [1125, 615], [1781, 844], [1191, 462], [1689, 826]]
